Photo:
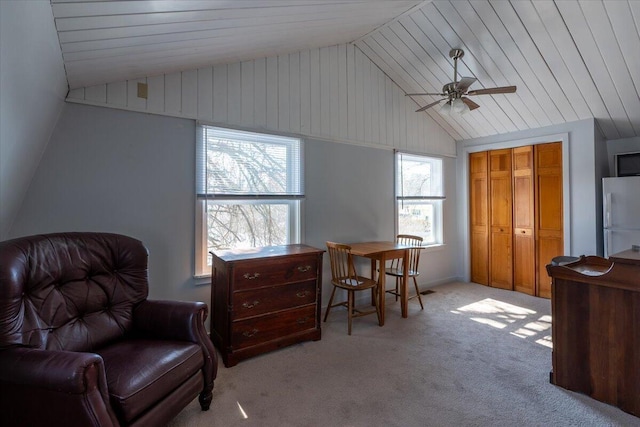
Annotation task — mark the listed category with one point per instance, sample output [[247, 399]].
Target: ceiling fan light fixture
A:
[[459, 107], [446, 108]]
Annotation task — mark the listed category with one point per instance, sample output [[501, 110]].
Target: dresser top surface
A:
[[265, 252]]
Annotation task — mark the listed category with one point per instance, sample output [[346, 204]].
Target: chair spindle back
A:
[[342, 268]]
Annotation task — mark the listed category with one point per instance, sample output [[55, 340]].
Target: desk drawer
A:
[[253, 275], [257, 330], [260, 301]]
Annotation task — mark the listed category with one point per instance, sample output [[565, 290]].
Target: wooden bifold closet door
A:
[[500, 207], [515, 209], [548, 205], [479, 216], [524, 256]]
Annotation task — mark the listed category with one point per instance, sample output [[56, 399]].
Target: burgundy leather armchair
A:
[[80, 344]]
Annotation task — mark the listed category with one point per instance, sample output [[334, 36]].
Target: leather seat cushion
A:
[[141, 372]]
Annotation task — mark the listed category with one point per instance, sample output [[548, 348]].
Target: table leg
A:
[[404, 294], [381, 287], [373, 277]]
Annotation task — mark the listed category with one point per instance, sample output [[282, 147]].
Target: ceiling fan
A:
[[456, 92]]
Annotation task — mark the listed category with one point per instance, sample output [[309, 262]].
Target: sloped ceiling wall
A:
[[107, 41], [570, 59], [33, 86]]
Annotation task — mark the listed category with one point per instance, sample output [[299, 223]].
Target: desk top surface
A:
[[598, 271], [627, 257]]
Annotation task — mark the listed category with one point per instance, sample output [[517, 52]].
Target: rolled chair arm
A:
[[64, 371], [73, 383], [182, 321], [169, 320]]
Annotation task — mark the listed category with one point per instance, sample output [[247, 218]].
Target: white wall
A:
[[32, 90], [134, 173], [582, 183], [121, 172], [334, 93], [601, 169]]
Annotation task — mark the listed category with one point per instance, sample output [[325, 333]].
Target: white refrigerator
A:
[[621, 213]]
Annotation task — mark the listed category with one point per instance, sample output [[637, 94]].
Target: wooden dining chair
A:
[[344, 276], [396, 267]]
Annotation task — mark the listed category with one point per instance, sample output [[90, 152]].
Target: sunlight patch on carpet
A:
[[244, 414], [518, 321], [489, 322], [501, 309], [545, 341]]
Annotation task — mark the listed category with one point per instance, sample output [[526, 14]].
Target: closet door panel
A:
[[501, 261], [524, 259], [550, 199], [500, 214], [549, 212], [479, 217], [480, 258]]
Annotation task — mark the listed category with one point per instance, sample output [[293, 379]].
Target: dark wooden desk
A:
[[595, 306], [380, 252]]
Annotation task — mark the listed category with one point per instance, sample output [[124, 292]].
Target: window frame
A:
[[436, 200], [293, 199]]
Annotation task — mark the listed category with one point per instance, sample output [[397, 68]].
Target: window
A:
[[249, 191], [419, 196]]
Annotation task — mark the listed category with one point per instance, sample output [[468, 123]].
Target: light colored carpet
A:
[[476, 356]]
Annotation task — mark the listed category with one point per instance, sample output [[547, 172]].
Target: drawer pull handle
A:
[[251, 276], [302, 294], [250, 304], [304, 269], [250, 333], [302, 320]]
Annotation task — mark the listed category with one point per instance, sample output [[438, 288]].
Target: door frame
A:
[[463, 189]]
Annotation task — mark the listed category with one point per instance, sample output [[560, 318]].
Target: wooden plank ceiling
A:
[[105, 41], [569, 59]]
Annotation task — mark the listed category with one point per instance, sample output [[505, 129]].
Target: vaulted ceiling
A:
[[570, 60]]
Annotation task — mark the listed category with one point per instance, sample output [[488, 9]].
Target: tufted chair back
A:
[[70, 291]]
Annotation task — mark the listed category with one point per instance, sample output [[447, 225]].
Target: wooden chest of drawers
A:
[[264, 298]]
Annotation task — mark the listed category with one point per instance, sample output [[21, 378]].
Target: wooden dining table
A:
[[379, 253]]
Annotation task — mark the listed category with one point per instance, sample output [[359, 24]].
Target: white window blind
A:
[[418, 177], [233, 163]]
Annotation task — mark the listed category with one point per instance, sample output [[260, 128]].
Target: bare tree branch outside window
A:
[[251, 189]]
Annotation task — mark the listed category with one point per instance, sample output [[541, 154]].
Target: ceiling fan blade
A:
[[464, 83], [430, 105], [472, 105], [492, 90], [423, 94]]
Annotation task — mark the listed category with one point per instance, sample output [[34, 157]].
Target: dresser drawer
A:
[[261, 329], [258, 274], [264, 300]]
